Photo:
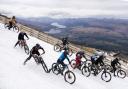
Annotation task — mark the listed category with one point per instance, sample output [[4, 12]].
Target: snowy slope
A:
[[14, 75]]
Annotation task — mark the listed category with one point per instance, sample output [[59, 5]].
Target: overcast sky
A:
[[65, 8]]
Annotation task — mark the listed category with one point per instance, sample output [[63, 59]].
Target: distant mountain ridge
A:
[[106, 34]]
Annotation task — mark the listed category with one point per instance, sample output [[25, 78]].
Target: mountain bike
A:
[[14, 27], [119, 71], [105, 76], [22, 43], [39, 60], [69, 76], [59, 47]]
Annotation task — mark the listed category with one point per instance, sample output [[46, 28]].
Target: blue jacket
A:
[[63, 56]]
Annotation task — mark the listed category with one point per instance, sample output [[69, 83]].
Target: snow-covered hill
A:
[[14, 75]]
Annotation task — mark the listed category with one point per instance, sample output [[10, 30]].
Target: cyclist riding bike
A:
[[97, 58], [34, 50], [12, 22], [114, 63], [63, 56], [21, 38], [65, 42], [79, 56]]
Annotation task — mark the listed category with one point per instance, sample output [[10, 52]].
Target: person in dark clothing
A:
[[100, 60], [65, 41], [114, 63], [33, 51], [21, 38], [96, 60]]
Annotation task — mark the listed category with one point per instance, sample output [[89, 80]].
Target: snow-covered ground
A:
[[14, 75]]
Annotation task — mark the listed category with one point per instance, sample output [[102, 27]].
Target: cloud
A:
[[65, 8]]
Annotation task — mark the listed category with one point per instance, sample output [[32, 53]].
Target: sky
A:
[[65, 8]]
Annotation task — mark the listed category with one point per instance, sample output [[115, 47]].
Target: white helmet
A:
[[99, 53]]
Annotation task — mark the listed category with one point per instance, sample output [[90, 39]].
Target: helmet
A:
[[78, 55], [99, 53], [117, 59], [13, 17], [37, 45]]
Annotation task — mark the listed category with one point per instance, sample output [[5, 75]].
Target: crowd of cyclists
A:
[[96, 58]]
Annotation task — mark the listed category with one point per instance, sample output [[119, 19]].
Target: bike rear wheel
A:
[[73, 63], [69, 77]]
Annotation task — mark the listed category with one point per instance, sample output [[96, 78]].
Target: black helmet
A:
[[37, 45], [117, 59], [13, 17]]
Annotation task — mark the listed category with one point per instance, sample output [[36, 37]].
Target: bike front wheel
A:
[[69, 77], [57, 47], [44, 66], [86, 71], [121, 74], [106, 76], [16, 29], [55, 68], [26, 49]]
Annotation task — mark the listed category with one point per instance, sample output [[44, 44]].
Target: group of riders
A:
[[95, 59]]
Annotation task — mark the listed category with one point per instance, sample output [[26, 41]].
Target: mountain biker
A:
[[79, 55], [63, 56], [98, 58], [34, 50], [12, 22], [21, 38], [65, 41], [114, 63], [94, 59]]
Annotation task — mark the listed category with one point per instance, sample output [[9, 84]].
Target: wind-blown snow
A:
[[14, 75]]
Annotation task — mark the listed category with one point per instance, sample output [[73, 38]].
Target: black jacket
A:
[[21, 36]]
